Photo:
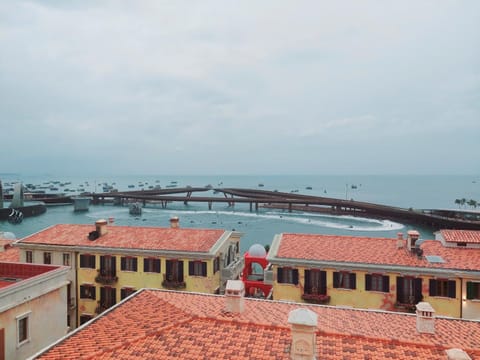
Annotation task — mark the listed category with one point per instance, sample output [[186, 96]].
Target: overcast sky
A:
[[240, 87]]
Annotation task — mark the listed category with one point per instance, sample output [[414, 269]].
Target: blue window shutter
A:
[[368, 282], [386, 284], [452, 289], [280, 275], [353, 281], [295, 276], [323, 283], [432, 287]]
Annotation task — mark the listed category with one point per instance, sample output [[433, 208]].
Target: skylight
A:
[[434, 259]]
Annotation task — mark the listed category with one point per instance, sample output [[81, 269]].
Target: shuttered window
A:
[[443, 288], [344, 280], [129, 263], [87, 291], [126, 291], [377, 282], [87, 261], [174, 271], [287, 276], [151, 265], [315, 282], [197, 268], [473, 290], [409, 290]]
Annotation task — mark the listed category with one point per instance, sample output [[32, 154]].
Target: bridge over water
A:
[[436, 219]]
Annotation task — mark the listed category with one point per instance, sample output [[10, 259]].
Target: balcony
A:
[[316, 298], [173, 284], [106, 278], [233, 270]]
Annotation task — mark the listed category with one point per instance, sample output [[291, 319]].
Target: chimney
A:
[[174, 222], [457, 354], [412, 237], [234, 296], [400, 241], [304, 327], [101, 227], [425, 318]]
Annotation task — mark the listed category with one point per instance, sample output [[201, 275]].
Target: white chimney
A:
[[412, 237], [457, 354], [101, 227], [174, 222], [234, 296], [304, 339], [425, 318]]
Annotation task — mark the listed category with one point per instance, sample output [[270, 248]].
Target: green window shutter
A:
[[470, 290]]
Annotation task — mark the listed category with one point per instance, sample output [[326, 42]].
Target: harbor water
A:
[[417, 192]]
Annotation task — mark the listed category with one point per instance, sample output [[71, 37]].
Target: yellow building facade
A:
[[369, 273], [110, 262]]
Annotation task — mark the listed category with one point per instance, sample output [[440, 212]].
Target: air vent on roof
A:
[[434, 259]]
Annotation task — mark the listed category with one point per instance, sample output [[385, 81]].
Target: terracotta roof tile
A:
[[194, 326], [129, 237], [466, 236], [379, 251], [8, 252]]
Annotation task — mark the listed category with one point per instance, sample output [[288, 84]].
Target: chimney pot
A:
[[174, 222], [101, 227], [412, 237], [304, 327], [234, 296], [400, 236], [425, 318]]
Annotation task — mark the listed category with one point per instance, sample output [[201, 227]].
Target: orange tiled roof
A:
[[379, 251], [193, 326], [129, 237], [466, 236], [9, 253]]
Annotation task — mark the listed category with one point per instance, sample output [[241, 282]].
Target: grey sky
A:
[[240, 87]]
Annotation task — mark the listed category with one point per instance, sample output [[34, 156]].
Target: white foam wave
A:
[[345, 222]]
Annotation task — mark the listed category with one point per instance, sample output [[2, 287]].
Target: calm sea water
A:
[[422, 192]]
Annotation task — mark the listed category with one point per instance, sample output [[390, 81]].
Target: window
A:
[[443, 288], [108, 296], [87, 291], [66, 259], [315, 282], [344, 280], [377, 282], [216, 264], [473, 290], [287, 276], [126, 291], [174, 271], [409, 290], [108, 266], [129, 264], [197, 268], [87, 261], [23, 330], [29, 256], [47, 258], [85, 318], [151, 265]]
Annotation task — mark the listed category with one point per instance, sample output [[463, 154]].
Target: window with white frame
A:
[[66, 259], [29, 256], [23, 329]]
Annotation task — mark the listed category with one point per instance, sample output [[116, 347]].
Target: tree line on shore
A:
[[463, 202]]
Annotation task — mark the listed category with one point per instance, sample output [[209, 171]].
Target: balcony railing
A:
[[173, 284], [316, 298], [106, 278], [233, 270]]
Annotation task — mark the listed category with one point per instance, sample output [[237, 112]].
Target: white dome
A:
[[257, 250]]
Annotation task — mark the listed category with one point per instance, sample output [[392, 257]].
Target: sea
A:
[[258, 227]]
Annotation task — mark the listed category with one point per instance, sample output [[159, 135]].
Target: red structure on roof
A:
[[253, 272]]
